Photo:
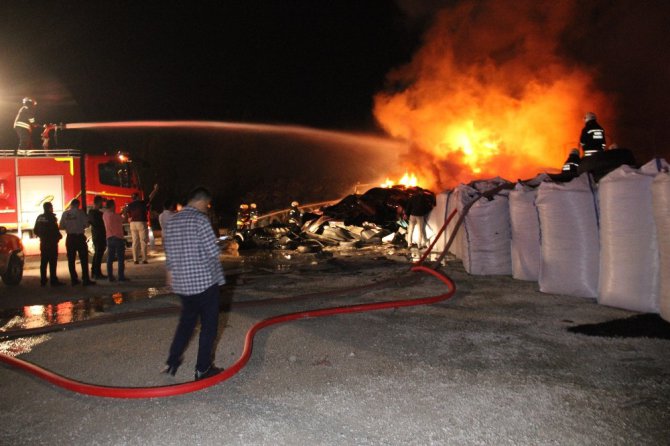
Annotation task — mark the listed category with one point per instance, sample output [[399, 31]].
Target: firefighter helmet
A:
[[29, 101], [589, 116], [244, 206], [253, 205], [295, 204]]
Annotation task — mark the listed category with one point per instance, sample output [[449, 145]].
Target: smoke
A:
[[490, 93]]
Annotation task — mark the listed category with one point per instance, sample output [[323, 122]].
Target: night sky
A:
[[302, 62]]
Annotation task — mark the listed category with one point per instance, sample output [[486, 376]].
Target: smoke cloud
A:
[[490, 92]]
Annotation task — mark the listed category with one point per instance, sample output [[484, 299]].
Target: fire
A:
[[489, 95], [407, 180]]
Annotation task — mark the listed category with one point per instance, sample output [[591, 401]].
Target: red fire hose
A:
[[192, 386]]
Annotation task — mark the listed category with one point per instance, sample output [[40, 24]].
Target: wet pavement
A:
[[494, 365]]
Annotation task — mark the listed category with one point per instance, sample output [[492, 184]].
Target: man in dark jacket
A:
[[99, 237], [571, 165], [592, 138], [46, 228], [418, 206]]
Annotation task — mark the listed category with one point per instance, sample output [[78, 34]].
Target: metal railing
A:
[[38, 153]]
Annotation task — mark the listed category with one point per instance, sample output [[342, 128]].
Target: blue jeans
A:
[[206, 306], [116, 250]]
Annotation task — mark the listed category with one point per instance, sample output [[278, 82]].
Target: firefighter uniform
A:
[[571, 165], [592, 138], [24, 123]]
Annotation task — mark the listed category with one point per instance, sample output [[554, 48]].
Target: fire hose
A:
[[192, 386]]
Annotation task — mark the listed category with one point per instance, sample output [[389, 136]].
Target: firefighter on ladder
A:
[[24, 124]]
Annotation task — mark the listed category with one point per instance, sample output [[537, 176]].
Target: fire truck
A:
[[59, 175]]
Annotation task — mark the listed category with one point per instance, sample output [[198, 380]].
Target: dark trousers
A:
[[48, 256], [206, 306], [116, 250], [75, 244], [99, 250], [25, 138]]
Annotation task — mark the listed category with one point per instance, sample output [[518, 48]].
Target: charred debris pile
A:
[[372, 218]]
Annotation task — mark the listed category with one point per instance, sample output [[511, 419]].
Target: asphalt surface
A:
[[495, 365]]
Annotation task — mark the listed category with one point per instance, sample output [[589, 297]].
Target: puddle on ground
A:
[[39, 316]]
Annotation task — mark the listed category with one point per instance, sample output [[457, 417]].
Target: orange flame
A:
[[488, 95], [407, 180]]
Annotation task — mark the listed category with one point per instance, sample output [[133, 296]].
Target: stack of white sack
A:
[[435, 221], [660, 189], [569, 246], [525, 226], [629, 263], [484, 239]]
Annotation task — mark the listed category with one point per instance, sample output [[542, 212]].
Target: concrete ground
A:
[[495, 365]]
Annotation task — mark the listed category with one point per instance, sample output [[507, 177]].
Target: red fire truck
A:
[[59, 176]]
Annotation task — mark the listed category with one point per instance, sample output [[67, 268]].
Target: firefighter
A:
[[294, 214], [571, 165], [253, 215], [243, 217], [24, 124], [592, 138]]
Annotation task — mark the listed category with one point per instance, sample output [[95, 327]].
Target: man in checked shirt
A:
[[195, 273]]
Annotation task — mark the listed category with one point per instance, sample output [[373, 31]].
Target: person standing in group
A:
[[195, 274], [75, 221], [116, 242], [46, 228], [99, 237], [592, 137], [24, 124], [418, 206], [138, 211], [169, 211]]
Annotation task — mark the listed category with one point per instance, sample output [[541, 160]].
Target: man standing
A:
[[138, 210], [592, 138], [169, 211], [116, 242], [195, 273], [46, 228], [99, 237], [418, 206], [24, 123], [74, 221]]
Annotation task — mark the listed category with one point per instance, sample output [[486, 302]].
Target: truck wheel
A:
[[14, 272]]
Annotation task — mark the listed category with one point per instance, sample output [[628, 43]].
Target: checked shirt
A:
[[192, 255]]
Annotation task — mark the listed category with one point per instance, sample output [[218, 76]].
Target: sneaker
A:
[[145, 262], [136, 262], [211, 371]]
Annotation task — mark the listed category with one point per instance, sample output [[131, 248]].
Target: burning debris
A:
[[372, 218]]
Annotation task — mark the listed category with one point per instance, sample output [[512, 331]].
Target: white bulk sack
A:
[[525, 227], [661, 202], [435, 221], [569, 246], [628, 244], [484, 239]]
